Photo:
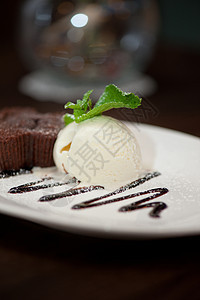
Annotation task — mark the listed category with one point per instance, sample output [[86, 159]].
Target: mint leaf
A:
[[112, 97], [80, 104], [68, 118], [117, 98]]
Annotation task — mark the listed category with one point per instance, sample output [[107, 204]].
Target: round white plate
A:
[[175, 155]]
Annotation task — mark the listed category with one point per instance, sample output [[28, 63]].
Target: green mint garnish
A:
[[112, 97]]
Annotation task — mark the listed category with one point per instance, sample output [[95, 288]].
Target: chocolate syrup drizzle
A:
[[124, 188], [95, 202], [31, 186], [71, 192], [158, 206], [156, 192], [10, 173]]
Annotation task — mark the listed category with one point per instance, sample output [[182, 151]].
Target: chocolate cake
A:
[[27, 138]]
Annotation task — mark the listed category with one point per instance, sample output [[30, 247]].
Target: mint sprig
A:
[[112, 97]]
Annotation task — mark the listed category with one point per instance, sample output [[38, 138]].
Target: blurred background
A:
[[53, 51]]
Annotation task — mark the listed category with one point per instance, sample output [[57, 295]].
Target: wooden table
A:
[[41, 263]]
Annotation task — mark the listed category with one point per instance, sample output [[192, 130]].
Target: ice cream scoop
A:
[[98, 151]]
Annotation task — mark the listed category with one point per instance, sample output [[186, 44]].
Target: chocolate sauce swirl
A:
[[10, 173], [99, 201], [71, 192], [124, 188], [157, 206], [32, 186], [156, 192]]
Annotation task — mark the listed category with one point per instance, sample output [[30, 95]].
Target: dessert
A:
[[97, 152], [27, 138], [99, 149]]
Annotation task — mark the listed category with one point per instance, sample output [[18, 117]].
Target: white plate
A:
[[175, 155]]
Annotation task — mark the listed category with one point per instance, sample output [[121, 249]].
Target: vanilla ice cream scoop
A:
[[98, 151]]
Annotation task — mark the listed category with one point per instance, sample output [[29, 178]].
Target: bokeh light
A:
[[79, 20]]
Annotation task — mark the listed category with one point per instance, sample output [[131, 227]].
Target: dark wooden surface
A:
[[41, 263]]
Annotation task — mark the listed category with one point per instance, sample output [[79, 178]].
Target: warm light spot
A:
[[66, 148], [65, 8], [79, 20]]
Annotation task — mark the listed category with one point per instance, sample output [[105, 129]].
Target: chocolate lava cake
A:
[[27, 138]]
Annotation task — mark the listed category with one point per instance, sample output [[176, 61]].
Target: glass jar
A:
[[87, 42]]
